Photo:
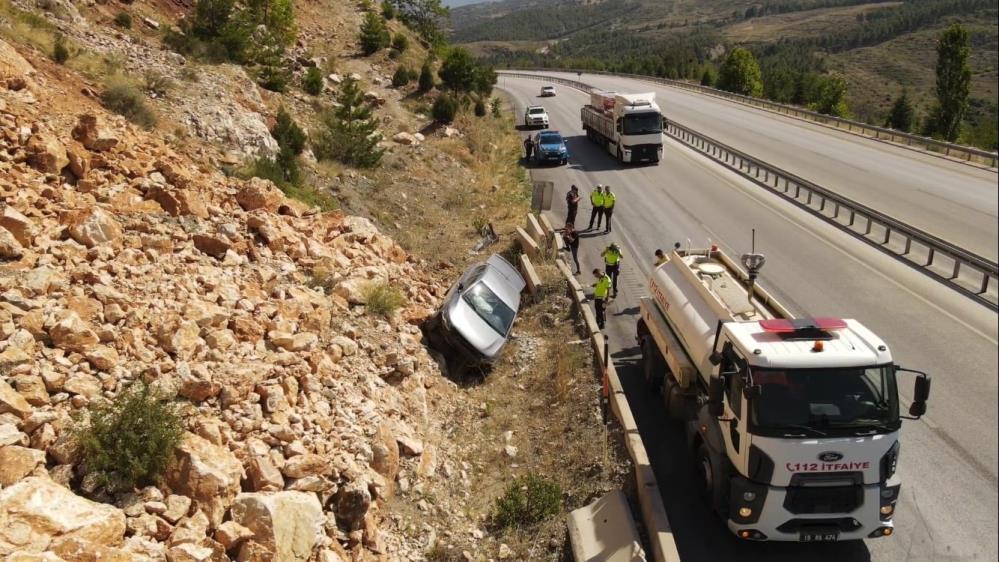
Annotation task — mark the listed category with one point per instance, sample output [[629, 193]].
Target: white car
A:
[[547, 91], [536, 116]]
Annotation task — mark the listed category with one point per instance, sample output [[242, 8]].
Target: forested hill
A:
[[874, 49]]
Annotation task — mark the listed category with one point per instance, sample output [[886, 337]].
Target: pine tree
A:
[[953, 82], [426, 77], [902, 114], [348, 133], [374, 35], [708, 77], [831, 96], [740, 73]]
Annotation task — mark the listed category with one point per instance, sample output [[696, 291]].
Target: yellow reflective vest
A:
[[602, 288], [611, 257], [609, 200], [597, 199]]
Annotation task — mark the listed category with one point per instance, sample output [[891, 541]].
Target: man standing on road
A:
[[572, 204], [612, 263], [528, 147], [571, 239], [597, 200], [600, 290], [609, 200]]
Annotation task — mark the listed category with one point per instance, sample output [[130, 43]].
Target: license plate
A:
[[819, 535]]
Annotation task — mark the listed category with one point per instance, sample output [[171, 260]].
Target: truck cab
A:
[[793, 423], [808, 432]]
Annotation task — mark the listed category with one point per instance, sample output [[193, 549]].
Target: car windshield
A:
[[536, 110], [548, 88], [643, 124], [489, 307], [549, 138], [853, 399]]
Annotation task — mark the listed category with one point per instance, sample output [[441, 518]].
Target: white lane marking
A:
[[755, 192]]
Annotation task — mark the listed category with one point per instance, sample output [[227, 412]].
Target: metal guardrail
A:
[[957, 151], [959, 269]]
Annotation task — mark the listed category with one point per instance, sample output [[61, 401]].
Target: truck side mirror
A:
[[752, 391], [920, 392], [715, 391]]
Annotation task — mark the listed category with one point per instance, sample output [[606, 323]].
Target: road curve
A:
[[948, 509], [954, 201]]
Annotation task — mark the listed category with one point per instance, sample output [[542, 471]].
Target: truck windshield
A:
[[840, 401], [489, 307], [643, 124]]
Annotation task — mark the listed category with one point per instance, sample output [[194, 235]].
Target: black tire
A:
[[620, 157], [653, 367], [711, 481]]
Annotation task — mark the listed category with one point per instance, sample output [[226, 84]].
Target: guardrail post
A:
[[985, 284], [836, 211], [908, 245], [887, 234], [809, 200], [853, 217], [957, 269], [822, 204], [929, 258], [869, 225]]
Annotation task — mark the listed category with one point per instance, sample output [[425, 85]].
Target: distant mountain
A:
[[459, 3]]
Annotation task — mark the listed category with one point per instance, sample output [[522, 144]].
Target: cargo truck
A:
[[628, 126], [793, 423]]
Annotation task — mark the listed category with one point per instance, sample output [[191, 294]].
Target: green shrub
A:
[[374, 35], [123, 19], [349, 133], [158, 84], [426, 77], [60, 51], [444, 109], [388, 9], [400, 42], [496, 106], [126, 100], [382, 298], [273, 77], [128, 441], [528, 500], [401, 77], [312, 83]]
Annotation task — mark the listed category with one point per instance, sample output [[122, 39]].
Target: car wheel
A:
[[652, 365], [565, 161]]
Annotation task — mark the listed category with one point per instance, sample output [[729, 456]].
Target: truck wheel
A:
[[652, 365], [711, 481], [620, 156]]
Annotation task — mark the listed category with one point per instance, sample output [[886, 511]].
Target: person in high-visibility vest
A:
[[609, 200], [660, 257], [597, 201], [601, 289], [612, 263]]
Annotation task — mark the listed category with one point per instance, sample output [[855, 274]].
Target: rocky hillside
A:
[[128, 256]]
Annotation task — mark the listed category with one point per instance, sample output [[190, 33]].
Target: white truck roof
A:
[[852, 346]]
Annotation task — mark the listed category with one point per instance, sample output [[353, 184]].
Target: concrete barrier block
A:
[[527, 244], [605, 531], [566, 272], [654, 514], [546, 226], [589, 321], [530, 275], [535, 231]]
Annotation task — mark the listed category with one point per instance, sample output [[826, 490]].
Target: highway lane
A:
[[954, 201], [949, 460]]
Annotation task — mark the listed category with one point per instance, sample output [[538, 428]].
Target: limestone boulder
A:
[[36, 511], [93, 134], [18, 462], [92, 227], [287, 524], [72, 333], [204, 472], [260, 194], [10, 247], [11, 401], [46, 153], [308, 464], [19, 225]]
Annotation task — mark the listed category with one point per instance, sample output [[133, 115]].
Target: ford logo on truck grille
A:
[[830, 456]]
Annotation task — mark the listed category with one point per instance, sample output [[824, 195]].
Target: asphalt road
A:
[[948, 508], [954, 201]]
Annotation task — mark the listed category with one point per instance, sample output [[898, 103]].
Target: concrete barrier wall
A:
[[649, 496]]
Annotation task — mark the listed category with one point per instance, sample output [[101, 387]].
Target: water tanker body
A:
[[793, 423]]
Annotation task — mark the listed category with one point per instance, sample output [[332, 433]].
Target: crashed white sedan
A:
[[478, 311]]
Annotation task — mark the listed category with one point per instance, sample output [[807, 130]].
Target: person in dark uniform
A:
[[528, 147], [572, 205], [571, 239]]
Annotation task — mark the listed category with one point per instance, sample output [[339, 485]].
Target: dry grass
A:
[[809, 23], [543, 399]]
